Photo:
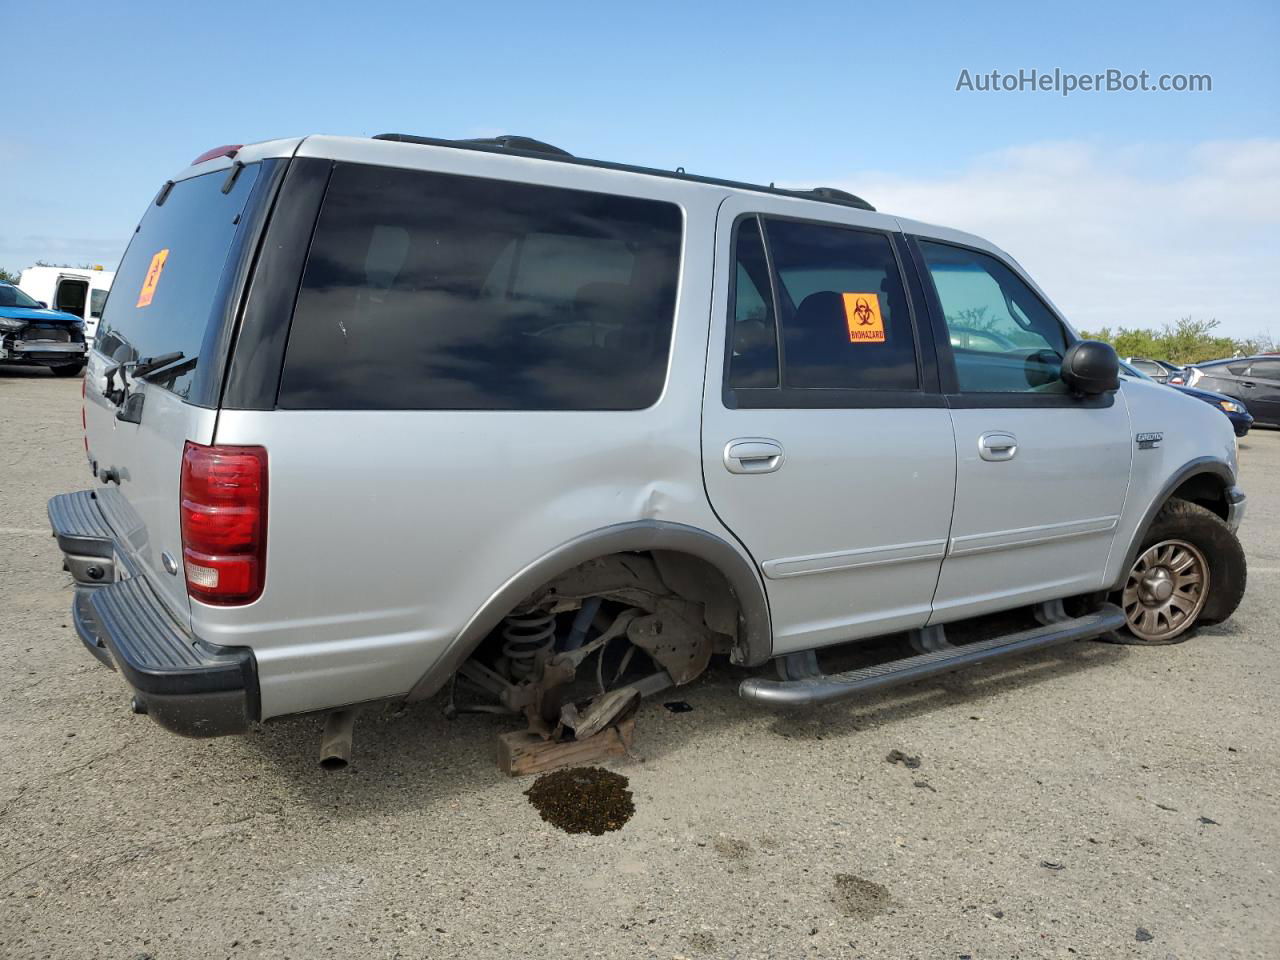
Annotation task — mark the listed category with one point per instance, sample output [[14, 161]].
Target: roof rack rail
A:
[[832, 195], [529, 147], [505, 142]]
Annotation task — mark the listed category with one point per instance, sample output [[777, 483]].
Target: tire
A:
[[68, 370], [1185, 541]]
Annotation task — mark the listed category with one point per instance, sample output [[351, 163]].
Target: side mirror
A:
[[43, 304], [1091, 367]]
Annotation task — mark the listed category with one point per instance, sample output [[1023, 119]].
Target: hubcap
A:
[[1165, 590]]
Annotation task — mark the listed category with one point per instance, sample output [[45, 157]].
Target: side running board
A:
[[824, 688]]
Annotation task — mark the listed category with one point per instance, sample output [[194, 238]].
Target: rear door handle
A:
[[997, 446], [753, 455]]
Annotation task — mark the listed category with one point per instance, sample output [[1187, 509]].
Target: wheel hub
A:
[[1156, 587], [1165, 591]]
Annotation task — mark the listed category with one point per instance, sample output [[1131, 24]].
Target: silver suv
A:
[[370, 418]]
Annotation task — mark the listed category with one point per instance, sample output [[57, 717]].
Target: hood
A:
[[44, 314]]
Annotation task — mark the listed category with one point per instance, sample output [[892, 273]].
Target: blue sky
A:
[[105, 102]]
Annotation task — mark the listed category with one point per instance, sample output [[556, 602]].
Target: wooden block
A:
[[522, 753]]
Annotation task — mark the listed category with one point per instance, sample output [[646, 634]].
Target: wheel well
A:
[[1205, 489], [644, 576], [754, 635]]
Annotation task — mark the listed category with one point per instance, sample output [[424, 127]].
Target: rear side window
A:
[[170, 281], [430, 291]]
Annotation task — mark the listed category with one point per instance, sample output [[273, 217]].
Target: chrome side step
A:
[[824, 688]]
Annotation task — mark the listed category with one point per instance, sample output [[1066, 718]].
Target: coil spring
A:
[[526, 634]]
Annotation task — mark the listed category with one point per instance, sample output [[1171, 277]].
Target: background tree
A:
[[1187, 341]]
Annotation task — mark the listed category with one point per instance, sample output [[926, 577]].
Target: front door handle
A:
[[997, 446], [752, 455]]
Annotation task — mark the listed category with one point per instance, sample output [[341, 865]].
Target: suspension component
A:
[[528, 634]]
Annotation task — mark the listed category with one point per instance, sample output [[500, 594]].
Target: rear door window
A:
[[1265, 369], [844, 319], [170, 281], [431, 291], [845, 322]]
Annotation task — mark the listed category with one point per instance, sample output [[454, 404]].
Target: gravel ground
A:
[[1062, 801]]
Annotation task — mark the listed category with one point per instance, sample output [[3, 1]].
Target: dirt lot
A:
[[1062, 801]]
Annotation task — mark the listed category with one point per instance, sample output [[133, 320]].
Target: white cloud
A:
[[1113, 236]]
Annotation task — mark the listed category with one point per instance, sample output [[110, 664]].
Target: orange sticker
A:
[[862, 314], [152, 278]]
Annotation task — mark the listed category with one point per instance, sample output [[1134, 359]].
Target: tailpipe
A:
[[335, 742]]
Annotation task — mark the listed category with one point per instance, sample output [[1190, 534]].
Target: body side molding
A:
[[756, 643]]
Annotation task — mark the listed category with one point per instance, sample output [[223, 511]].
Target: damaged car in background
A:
[[33, 335]]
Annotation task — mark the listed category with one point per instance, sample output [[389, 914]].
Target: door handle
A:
[[753, 455], [1248, 383], [997, 446]]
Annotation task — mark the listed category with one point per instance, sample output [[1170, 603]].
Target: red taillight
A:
[[224, 522], [226, 150]]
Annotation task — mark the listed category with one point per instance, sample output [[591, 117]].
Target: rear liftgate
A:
[[802, 683]]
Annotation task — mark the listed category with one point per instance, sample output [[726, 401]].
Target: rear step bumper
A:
[[825, 688], [185, 684]]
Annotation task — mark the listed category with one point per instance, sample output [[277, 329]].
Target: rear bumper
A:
[[185, 684]]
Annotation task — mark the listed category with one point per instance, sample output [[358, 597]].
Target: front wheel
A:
[[1189, 570], [68, 370]]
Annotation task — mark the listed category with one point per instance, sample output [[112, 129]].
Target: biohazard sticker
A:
[[152, 278], [862, 314]]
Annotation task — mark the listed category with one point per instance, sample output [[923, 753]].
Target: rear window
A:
[[169, 282], [430, 291]]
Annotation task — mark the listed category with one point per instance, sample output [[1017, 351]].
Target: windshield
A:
[[11, 296]]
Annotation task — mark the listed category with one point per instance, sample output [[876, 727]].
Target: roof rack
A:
[[507, 142], [528, 146]]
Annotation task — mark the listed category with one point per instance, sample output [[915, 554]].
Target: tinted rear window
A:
[[169, 282], [432, 291]]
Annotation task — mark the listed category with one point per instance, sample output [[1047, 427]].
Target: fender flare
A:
[[1201, 466], [756, 644]]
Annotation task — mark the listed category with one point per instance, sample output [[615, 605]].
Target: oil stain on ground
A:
[[858, 898], [582, 799]]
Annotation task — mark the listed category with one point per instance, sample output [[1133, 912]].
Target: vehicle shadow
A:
[[410, 757]]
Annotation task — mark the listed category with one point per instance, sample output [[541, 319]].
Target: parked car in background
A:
[[1254, 381], [81, 292], [34, 335], [1237, 413], [1158, 370]]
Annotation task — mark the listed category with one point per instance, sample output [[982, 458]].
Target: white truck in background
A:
[[81, 291]]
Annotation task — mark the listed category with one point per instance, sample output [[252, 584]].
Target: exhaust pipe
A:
[[335, 742]]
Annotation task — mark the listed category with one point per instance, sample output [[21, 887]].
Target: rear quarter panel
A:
[[388, 531]]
